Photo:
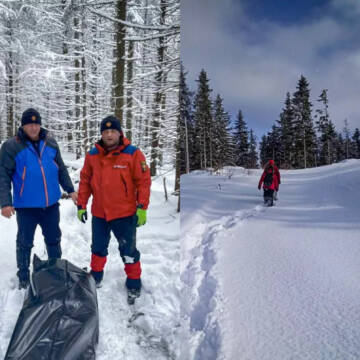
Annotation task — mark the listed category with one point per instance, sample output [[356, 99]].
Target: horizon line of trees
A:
[[300, 139], [208, 138]]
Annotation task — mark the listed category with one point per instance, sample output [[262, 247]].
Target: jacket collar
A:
[[101, 147], [24, 138]]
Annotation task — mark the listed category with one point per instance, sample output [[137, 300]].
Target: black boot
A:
[[24, 278], [98, 276], [23, 263]]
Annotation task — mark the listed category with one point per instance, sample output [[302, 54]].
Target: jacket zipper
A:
[[43, 174], [23, 181], [124, 182]]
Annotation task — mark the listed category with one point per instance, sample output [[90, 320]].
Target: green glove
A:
[[141, 217], [82, 215]]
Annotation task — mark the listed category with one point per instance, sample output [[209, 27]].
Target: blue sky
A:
[[255, 51]]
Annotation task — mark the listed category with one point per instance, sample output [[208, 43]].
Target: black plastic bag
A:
[[59, 319]]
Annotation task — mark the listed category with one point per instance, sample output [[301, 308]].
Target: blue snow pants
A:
[[124, 230]]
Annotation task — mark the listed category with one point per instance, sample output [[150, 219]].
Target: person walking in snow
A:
[[116, 175], [270, 181], [277, 173], [32, 163]]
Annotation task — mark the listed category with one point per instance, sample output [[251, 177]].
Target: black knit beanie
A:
[[30, 116], [110, 122]]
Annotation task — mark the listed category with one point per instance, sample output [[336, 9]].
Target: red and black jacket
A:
[[118, 180]]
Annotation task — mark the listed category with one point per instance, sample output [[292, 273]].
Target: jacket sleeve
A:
[[261, 179], [278, 175], [64, 178], [84, 191], [142, 179], [276, 182], [7, 167]]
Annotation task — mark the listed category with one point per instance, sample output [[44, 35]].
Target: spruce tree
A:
[[356, 143], [286, 134], [347, 139], [253, 155], [185, 127], [202, 123], [241, 140], [304, 133], [222, 146], [264, 150], [327, 131]]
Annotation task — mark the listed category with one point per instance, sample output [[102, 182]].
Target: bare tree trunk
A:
[[77, 139], [10, 94], [119, 69], [85, 134], [155, 131], [129, 99]]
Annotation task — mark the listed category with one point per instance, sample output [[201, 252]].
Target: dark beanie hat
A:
[[110, 122], [30, 116]]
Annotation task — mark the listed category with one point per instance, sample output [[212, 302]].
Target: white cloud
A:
[[253, 69]]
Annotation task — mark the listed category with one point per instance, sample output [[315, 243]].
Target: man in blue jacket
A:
[[32, 163]]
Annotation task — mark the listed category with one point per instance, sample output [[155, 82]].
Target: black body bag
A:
[[59, 319]]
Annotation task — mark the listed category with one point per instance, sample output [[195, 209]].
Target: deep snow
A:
[[271, 283], [154, 335]]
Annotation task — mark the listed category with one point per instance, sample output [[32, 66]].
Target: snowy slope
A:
[[153, 335], [271, 283]]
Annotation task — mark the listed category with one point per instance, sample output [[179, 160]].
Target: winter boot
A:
[[98, 276], [23, 263], [132, 294], [24, 278]]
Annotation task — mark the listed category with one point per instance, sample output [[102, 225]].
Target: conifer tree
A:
[[222, 154], [241, 140], [185, 127], [253, 156], [356, 143], [327, 131], [347, 140], [340, 148], [264, 150], [305, 137], [286, 134], [202, 123]]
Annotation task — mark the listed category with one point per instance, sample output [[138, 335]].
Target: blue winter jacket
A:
[[35, 177]]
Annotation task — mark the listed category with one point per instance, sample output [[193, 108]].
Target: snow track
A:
[[206, 302], [271, 283]]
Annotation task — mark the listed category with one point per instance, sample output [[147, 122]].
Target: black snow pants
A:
[[27, 219]]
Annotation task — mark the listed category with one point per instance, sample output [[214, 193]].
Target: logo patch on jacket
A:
[[144, 167], [120, 166]]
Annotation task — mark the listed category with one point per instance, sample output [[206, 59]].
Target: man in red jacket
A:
[[270, 181], [277, 173], [116, 175]]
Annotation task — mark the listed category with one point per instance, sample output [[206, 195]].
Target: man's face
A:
[[110, 137], [32, 131]]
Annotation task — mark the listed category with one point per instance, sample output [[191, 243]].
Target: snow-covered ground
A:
[[154, 335], [271, 283]]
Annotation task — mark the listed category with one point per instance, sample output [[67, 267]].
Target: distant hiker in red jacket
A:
[[270, 181], [277, 173], [116, 175]]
